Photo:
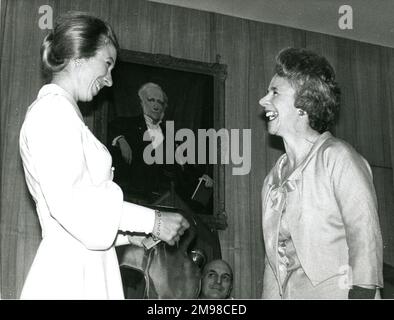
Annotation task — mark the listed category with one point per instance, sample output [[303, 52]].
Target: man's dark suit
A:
[[137, 179]]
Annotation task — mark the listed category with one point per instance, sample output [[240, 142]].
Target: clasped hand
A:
[[169, 226]]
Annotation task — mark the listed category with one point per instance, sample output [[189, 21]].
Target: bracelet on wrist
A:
[[156, 229]]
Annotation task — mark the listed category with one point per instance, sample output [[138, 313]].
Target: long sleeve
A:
[[91, 211], [355, 194]]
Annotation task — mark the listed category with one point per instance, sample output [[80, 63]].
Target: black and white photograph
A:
[[196, 150]]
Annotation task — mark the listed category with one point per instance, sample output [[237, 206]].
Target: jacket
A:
[[332, 210]]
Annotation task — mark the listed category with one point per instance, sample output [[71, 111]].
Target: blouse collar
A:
[[296, 173]]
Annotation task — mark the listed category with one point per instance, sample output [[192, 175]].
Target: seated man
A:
[[217, 280]]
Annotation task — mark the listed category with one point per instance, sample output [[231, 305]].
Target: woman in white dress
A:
[[68, 172]]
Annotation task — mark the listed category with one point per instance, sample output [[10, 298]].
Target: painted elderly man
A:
[[126, 135]]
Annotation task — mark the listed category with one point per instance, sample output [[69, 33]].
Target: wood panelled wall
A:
[[248, 49]]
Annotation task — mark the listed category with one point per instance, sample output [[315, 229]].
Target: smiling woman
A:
[[320, 222], [94, 73], [68, 172], [91, 74], [91, 61], [278, 105]]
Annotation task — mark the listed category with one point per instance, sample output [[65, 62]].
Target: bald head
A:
[[217, 280]]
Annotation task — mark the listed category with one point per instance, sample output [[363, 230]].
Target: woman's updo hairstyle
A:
[[76, 35], [313, 79]]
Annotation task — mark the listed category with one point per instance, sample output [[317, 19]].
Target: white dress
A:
[[69, 175]]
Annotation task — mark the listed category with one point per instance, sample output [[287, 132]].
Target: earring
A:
[[301, 112]]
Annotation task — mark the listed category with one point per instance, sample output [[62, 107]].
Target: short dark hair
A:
[[75, 35], [313, 78]]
